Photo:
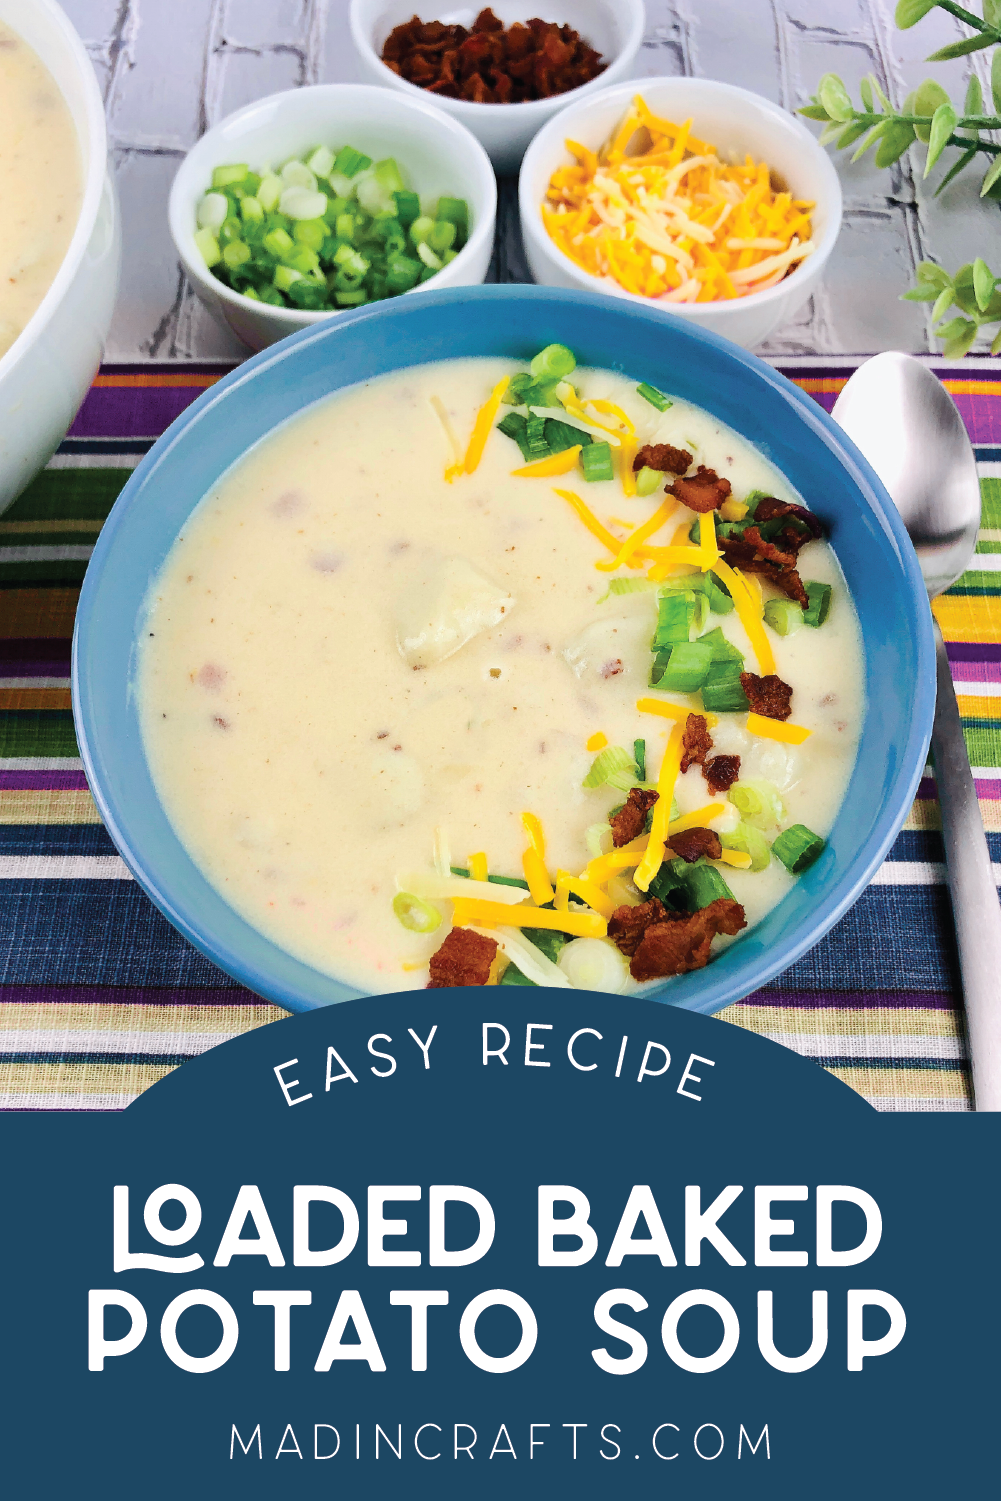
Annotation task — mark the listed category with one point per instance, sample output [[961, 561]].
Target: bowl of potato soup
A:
[[59, 235], [504, 636]]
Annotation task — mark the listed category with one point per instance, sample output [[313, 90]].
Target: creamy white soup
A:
[[40, 183], [358, 674]]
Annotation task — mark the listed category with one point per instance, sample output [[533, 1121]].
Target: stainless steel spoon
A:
[[907, 426]]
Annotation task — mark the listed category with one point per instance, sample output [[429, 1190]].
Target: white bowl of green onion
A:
[[325, 198]]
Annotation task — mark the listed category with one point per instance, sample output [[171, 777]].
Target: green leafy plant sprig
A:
[[929, 116], [974, 290]]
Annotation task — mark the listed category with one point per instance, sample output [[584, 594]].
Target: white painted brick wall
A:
[[170, 68]]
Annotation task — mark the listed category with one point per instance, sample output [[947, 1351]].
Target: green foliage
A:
[[909, 12], [929, 116], [974, 290]]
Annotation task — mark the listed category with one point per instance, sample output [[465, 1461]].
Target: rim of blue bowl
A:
[[714, 988]]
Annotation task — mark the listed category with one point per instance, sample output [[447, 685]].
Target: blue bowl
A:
[[512, 321]]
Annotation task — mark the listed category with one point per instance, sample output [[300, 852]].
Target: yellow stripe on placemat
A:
[[907, 1084], [180, 381], [968, 617], [820, 385], [830, 385], [888, 1021], [46, 528], [973, 705], [133, 1022], [69, 1078], [926, 815], [47, 805], [34, 698]]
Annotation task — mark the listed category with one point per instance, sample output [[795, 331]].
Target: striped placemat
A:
[[100, 997]]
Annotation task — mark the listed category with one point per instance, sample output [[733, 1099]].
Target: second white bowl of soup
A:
[[59, 235]]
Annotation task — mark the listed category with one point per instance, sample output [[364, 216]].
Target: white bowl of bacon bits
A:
[[503, 71], [692, 196]]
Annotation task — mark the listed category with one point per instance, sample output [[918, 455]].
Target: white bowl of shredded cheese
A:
[[688, 223]]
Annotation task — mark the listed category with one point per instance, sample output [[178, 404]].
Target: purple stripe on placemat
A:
[[10, 667], [828, 1000], [973, 651], [42, 781], [976, 672], [127, 995], [987, 789], [140, 411], [19, 650]]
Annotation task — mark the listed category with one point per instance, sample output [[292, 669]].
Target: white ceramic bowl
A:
[[735, 121], [436, 155], [613, 27], [46, 372]]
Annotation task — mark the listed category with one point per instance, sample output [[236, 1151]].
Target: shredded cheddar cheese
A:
[[739, 859], [478, 869], [533, 861], [604, 867], [708, 545], [597, 742], [776, 729], [662, 215], [672, 711], [496, 914], [636, 538], [540, 887], [591, 521], [700, 818], [557, 463], [653, 856], [481, 431], [747, 603], [588, 891]]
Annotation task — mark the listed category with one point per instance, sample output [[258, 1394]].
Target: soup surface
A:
[[40, 183], [308, 743]]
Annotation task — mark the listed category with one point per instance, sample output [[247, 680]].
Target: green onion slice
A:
[[654, 397], [750, 841], [415, 915], [758, 802], [606, 764], [797, 847], [819, 607], [648, 480], [596, 461], [460, 870], [687, 668], [784, 616], [554, 362], [639, 756]]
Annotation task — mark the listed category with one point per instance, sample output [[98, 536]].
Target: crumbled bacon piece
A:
[[721, 772], [768, 696], [696, 743], [703, 491], [463, 959], [682, 942], [491, 64], [627, 925], [754, 555], [771, 509], [692, 844], [663, 457], [629, 822], [612, 668]]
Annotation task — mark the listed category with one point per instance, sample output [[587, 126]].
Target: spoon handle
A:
[[975, 907]]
